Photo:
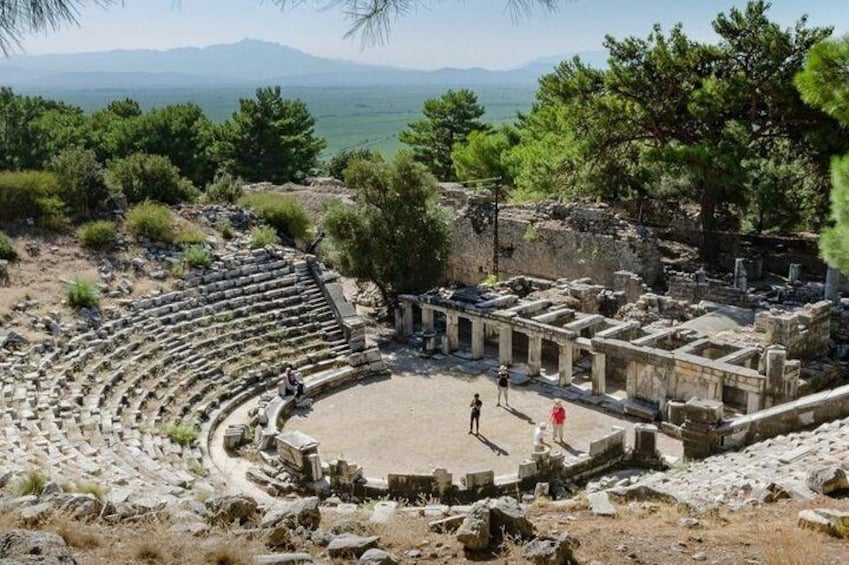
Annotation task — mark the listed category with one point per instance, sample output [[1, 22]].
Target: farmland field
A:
[[346, 116]]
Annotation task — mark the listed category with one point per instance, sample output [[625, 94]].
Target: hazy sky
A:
[[457, 33]]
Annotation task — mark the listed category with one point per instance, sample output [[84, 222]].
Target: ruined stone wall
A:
[[714, 291], [548, 248], [805, 332]]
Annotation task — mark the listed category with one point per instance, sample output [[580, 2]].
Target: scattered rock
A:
[[43, 548], [827, 480], [282, 558], [639, 493], [449, 524], [541, 490], [348, 545], [383, 511], [32, 515], [770, 493], [688, 523], [700, 556], [473, 533], [303, 512], [600, 504], [376, 556], [228, 509], [508, 518], [546, 550], [832, 522]]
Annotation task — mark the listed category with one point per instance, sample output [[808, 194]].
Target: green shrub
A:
[[153, 221], [190, 234], [225, 188], [151, 177], [82, 294], [184, 434], [279, 211], [98, 235], [32, 482], [31, 194], [82, 182], [262, 236], [7, 248], [97, 491], [226, 228], [197, 256]]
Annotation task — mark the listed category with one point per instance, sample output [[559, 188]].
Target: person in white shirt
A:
[[539, 437]]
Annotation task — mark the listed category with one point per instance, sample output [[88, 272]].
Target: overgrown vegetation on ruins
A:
[[395, 235]]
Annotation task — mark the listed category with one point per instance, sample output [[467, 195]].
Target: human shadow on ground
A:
[[497, 449], [520, 414], [569, 448]]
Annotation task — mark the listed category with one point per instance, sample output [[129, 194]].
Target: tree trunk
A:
[[710, 242]]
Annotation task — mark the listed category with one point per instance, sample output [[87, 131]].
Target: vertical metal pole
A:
[[495, 252]]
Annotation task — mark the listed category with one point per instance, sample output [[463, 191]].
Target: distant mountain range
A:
[[248, 62]]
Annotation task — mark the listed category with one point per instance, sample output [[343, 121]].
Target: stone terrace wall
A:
[[551, 241], [806, 412]]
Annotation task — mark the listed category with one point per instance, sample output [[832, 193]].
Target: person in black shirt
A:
[[475, 419], [503, 384]]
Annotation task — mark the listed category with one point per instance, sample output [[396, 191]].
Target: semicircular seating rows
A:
[[95, 408]]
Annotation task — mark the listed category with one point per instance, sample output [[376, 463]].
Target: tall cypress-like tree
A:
[[269, 138], [825, 83], [448, 120]]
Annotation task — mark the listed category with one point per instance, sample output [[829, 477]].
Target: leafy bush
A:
[[340, 161], [226, 228], [31, 194], [190, 234], [279, 211], [184, 434], [32, 482], [153, 221], [262, 236], [82, 294], [82, 183], [151, 177], [98, 235], [7, 248], [197, 256], [225, 188]]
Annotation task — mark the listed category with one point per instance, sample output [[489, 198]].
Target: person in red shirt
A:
[[558, 418]]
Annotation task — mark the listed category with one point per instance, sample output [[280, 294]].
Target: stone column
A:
[[599, 373], [645, 440], [754, 402], [564, 363], [404, 320], [795, 274], [776, 358], [427, 318], [478, 336], [505, 344], [832, 285], [740, 277], [452, 330], [534, 354], [631, 379], [699, 429]]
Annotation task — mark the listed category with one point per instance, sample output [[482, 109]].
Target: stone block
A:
[[704, 411], [645, 439], [479, 479], [527, 469], [614, 441]]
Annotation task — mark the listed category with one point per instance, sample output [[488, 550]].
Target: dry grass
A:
[[790, 546], [76, 534]]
